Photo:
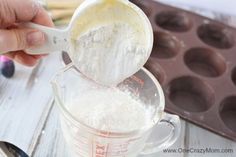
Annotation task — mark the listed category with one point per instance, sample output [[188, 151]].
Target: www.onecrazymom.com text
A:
[[199, 150]]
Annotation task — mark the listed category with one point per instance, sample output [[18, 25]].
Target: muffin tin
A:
[[194, 59]]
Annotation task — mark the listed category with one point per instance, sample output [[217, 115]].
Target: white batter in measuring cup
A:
[[108, 40], [113, 122]]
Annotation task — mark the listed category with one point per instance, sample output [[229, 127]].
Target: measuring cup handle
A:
[[172, 121], [55, 39]]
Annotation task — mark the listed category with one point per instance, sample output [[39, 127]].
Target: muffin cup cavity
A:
[[228, 112], [165, 45], [216, 35], [175, 21], [205, 62], [191, 94]]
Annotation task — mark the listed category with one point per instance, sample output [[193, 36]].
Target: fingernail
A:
[[35, 38]]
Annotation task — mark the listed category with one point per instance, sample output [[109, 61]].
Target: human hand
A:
[[13, 39]]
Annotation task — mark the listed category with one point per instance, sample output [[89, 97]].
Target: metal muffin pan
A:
[[194, 59]]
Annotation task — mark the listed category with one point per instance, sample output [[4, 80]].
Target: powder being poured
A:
[[110, 110], [110, 53]]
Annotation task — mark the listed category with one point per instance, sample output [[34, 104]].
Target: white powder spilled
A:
[[108, 54], [110, 110]]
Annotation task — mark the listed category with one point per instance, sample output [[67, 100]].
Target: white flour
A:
[[108, 54], [110, 110]]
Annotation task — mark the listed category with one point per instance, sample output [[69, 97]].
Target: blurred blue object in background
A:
[[7, 67]]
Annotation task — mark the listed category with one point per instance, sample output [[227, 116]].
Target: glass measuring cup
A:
[[85, 141]]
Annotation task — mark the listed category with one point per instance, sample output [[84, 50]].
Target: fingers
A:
[[15, 11], [16, 39], [20, 39], [23, 58], [42, 17]]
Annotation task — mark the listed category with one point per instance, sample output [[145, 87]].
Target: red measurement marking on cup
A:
[[100, 150], [119, 149], [138, 80]]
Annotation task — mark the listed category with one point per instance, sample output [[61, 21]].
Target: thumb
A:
[[20, 39]]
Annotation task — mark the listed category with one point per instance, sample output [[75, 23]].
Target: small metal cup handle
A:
[[173, 122]]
